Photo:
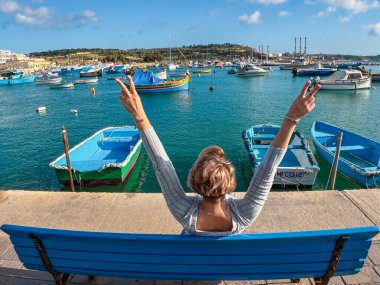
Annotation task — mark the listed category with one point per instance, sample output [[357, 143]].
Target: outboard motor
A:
[[294, 71]]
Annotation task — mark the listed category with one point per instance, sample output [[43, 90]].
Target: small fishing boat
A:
[[322, 71], [91, 72], [48, 79], [375, 76], [177, 75], [359, 158], [298, 168], [201, 71], [345, 80], [15, 77], [62, 86], [231, 71], [87, 81], [41, 109], [251, 70], [117, 69], [105, 158], [147, 82], [347, 65]]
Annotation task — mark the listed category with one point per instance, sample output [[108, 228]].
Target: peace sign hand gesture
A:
[[132, 103], [304, 103]]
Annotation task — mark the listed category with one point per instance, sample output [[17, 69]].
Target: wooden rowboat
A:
[[105, 158], [359, 158]]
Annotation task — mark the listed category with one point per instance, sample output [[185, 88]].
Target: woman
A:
[[213, 212]]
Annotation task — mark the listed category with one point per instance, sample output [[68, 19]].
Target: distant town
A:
[[205, 54]]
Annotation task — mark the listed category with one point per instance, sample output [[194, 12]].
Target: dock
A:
[[148, 213]]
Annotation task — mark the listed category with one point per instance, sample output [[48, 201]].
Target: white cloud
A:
[[326, 12], [284, 13], [266, 2], [40, 17], [354, 6], [374, 30], [308, 2], [254, 18], [345, 19], [44, 17], [8, 6]]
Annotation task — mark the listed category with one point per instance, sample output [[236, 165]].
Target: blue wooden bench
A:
[[309, 254]]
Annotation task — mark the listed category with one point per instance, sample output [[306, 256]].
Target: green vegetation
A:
[[225, 51]]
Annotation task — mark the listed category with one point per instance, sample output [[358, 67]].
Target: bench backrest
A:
[[156, 256]]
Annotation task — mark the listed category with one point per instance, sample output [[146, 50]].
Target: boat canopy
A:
[[147, 77]]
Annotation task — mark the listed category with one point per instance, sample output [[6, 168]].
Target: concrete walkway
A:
[[147, 213]]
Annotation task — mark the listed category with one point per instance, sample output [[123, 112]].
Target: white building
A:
[[5, 55]]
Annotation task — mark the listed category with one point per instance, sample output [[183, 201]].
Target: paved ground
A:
[[284, 211]]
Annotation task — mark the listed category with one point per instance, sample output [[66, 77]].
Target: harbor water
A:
[[186, 122]]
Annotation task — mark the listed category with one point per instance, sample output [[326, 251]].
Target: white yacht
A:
[[251, 70], [345, 80]]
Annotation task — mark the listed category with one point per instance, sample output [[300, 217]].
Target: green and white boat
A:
[[105, 158]]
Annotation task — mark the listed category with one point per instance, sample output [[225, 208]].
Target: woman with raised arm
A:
[[213, 211]]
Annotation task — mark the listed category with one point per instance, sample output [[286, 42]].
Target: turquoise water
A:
[[186, 122]]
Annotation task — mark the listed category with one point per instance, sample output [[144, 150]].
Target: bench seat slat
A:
[[200, 276], [180, 248], [175, 259], [195, 268]]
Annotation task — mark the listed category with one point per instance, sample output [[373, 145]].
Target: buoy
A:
[[41, 109], [93, 91], [74, 112], [211, 88]]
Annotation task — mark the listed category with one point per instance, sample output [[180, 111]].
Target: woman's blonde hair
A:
[[212, 175]]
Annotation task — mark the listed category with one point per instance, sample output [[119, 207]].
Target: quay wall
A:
[[148, 213]]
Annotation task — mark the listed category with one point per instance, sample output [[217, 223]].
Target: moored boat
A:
[[359, 158], [62, 86], [117, 69], [87, 81], [177, 75], [345, 80], [48, 79], [201, 71], [251, 70], [105, 158], [91, 72], [15, 77], [298, 168], [375, 76], [322, 71], [146, 82]]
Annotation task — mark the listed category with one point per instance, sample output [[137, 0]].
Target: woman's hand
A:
[[132, 103], [304, 103]]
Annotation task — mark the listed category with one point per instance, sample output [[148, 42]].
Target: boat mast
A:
[[305, 47], [267, 54], [295, 47], [300, 45], [170, 51]]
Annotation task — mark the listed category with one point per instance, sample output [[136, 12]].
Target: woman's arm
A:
[[172, 190], [251, 205]]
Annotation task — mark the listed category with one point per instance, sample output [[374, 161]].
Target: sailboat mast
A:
[[170, 50]]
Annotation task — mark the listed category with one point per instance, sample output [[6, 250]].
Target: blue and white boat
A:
[[105, 158], [322, 71], [299, 167], [15, 77], [359, 156]]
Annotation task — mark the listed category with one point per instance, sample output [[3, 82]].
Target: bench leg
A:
[[59, 280]]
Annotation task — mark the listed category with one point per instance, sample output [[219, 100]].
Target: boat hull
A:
[[345, 84], [48, 81], [21, 80], [91, 73], [314, 72], [109, 173], [352, 163], [249, 74], [299, 168], [168, 86]]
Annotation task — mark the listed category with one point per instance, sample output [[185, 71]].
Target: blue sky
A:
[[331, 26]]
